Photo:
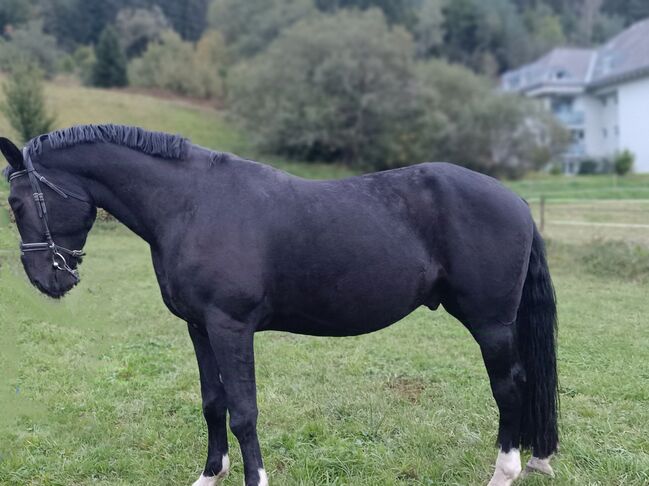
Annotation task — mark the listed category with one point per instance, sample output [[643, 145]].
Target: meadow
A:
[[102, 387]]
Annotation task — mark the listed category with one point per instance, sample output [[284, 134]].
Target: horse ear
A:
[[12, 153]]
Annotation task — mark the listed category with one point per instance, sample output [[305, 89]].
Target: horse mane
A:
[[158, 144]]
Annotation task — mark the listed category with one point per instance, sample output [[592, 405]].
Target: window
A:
[[562, 104], [577, 135]]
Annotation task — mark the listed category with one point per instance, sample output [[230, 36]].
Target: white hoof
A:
[[508, 468], [205, 481], [215, 480], [540, 466]]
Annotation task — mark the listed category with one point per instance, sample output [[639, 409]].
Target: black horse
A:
[[240, 247]]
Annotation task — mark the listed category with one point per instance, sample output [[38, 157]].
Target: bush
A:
[[346, 88], [84, 61], [175, 65], [337, 87], [137, 27], [24, 104], [110, 65], [588, 167], [616, 259], [13, 12], [495, 133], [623, 162], [30, 45], [250, 26]]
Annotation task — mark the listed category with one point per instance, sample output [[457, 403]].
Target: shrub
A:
[[13, 12], [495, 133], [24, 104], [84, 61], [175, 65], [250, 26], [616, 259], [346, 88], [30, 45], [332, 87], [110, 66], [137, 27], [588, 167], [623, 162]]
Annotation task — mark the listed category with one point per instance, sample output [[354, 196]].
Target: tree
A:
[[13, 13], [403, 12], [545, 30], [429, 28], [138, 26], [334, 88], [486, 35], [488, 131], [110, 67], [234, 18], [75, 22], [29, 44], [178, 66], [630, 10], [24, 104], [188, 17]]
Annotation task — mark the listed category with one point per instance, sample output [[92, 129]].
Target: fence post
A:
[[542, 217]]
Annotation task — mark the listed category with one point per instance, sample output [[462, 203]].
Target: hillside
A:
[[204, 125]]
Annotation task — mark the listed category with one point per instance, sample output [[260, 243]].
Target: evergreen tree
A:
[[24, 104], [110, 68], [630, 10], [188, 17]]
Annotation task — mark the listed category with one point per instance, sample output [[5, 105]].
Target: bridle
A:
[[58, 260]]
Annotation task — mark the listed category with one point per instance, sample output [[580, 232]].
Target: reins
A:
[[58, 260]]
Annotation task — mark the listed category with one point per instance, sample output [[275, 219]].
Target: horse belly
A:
[[357, 302]]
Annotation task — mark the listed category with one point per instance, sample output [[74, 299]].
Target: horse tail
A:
[[537, 334]]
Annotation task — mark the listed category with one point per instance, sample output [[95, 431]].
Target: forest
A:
[[368, 83]]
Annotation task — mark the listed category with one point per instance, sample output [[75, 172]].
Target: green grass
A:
[[206, 126], [102, 387], [556, 188]]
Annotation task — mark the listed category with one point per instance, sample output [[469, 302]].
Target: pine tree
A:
[[24, 104], [110, 68]]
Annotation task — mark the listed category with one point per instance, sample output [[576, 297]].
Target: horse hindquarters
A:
[[521, 363]]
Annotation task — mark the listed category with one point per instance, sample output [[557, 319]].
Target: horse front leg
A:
[[214, 409], [232, 342]]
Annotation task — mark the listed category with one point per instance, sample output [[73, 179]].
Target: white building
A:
[[601, 95]]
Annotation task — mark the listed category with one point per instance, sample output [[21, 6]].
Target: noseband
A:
[[58, 260]]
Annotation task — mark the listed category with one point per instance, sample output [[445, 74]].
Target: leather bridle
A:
[[58, 260]]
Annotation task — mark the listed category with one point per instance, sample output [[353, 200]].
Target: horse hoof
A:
[[539, 466], [206, 481], [215, 480]]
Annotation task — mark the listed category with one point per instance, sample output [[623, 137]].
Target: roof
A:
[[624, 56]]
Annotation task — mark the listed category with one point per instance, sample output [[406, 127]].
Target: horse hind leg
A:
[[507, 378]]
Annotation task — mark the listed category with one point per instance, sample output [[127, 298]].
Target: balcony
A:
[[571, 118], [576, 150]]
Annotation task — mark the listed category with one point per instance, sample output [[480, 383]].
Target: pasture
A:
[[102, 388]]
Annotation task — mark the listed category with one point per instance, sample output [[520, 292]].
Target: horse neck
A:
[[142, 192]]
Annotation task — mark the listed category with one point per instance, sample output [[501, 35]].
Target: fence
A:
[[582, 218]]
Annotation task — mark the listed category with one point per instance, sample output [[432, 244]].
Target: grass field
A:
[[102, 388]]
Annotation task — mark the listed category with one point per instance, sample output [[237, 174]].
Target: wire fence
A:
[[580, 219]]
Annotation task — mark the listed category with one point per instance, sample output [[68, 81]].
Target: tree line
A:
[[377, 83]]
